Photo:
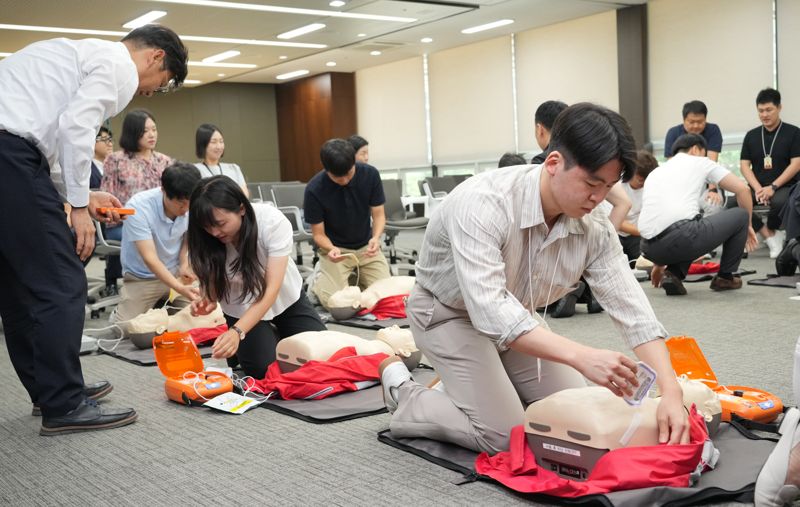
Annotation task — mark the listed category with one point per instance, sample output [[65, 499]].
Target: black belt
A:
[[674, 226]]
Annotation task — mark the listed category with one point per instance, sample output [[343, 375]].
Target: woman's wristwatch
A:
[[239, 332]]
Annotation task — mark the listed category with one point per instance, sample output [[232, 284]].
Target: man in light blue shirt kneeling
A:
[[154, 252]]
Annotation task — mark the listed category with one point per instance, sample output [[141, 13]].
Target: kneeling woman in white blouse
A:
[[240, 252]]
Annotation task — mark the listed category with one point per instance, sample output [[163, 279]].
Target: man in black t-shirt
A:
[[770, 161], [340, 201], [543, 121]]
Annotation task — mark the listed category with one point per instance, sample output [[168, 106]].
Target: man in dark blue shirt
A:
[[340, 201], [694, 122]]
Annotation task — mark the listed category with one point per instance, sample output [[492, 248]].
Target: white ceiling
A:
[[441, 20]]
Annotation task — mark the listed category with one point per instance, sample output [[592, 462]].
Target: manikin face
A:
[[216, 146], [227, 225], [769, 114], [694, 123], [149, 136], [342, 180], [175, 208], [575, 191], [362, 155]]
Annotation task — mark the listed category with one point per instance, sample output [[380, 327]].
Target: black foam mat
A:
[[705, 277], [130, 353], [342, 407], [789, 282], [733, 480], [362, 322]]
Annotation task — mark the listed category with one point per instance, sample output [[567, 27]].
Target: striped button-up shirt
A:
[[487, 250]]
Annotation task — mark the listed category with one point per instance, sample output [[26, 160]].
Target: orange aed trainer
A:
[[121, 211], [179, 360], [746, 402]]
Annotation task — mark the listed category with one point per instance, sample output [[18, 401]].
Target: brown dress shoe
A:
[[718, 283]]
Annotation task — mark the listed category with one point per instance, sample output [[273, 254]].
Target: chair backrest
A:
[[444, 184], [289, 195], [265, 187], [255, 191], [393, 207]]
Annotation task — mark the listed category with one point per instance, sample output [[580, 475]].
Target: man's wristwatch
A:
[[774, 188], [239, 332]]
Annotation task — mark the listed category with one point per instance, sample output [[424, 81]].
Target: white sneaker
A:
[[775, 244], [393, 374]]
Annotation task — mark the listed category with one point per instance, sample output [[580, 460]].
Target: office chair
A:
[[95, 303], [289, 200], [399, 219]]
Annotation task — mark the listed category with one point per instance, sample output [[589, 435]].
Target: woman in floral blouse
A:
[[136, 168]]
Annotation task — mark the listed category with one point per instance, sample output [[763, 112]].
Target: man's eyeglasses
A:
[[104, 139], [167, 88]]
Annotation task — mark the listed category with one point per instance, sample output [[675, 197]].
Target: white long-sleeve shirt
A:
[[56, 93]]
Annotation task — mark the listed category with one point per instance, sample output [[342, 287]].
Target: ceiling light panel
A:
[[487, 26], [297, 32], [144, 19], [221, 56], [224, 65], [290, 75], [290, 10]]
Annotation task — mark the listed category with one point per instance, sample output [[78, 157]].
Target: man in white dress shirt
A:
[[502, 244], [55, 95]]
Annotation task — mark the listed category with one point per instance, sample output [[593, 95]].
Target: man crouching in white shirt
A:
[[675, 232]]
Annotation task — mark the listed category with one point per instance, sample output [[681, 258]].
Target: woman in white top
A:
[[210, 147], [240, 252]]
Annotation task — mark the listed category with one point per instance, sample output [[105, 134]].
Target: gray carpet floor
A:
[[178, 455]]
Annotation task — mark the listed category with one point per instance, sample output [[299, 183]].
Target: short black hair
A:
[[176, 58], [645, 163], [106, 130], [768, 95], [686, 142], [357, 141], [694, 107], [509, 159], [202, 137], [133, 130], [589, 135], [337, 156], [547, 112], [179, 179]]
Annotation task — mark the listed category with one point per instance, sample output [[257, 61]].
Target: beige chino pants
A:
[[487, 391], [333, 276]]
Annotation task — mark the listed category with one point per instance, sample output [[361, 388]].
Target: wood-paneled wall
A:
[[311, 111]]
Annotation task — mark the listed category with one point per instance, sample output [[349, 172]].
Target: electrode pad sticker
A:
[[646, 377]]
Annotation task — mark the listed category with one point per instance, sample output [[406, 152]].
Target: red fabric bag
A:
[[320, 379], [207, 335], [705, 268], [620, 469], [392, 307]]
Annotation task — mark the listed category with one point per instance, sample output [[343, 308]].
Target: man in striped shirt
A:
[[501, 245]]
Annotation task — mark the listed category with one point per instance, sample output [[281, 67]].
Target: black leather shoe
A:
[[565, 307], [672, 285], [87, 416], [92, 391]]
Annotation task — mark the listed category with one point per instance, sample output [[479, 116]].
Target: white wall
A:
[[788, 63], [472, 112], [717, 51], [574, 61], [390, 103]]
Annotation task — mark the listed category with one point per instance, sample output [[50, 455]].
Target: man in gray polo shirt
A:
[[154, 254]]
